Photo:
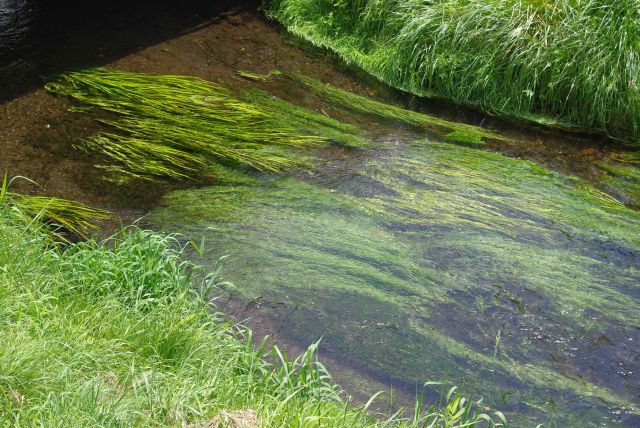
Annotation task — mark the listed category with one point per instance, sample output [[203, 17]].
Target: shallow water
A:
[[413, 260], [430, 261]]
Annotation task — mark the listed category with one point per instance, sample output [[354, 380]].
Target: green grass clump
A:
[[57, 213], [70, 215], [175, 126], [116, 333], [454, 132], [557, 62]]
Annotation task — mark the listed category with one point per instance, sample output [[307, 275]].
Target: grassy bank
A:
[[114, 334], [555, 62]]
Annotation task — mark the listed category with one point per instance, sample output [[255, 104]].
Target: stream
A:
[[511, 271]]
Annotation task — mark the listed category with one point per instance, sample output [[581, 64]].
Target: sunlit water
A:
[[431, 262]]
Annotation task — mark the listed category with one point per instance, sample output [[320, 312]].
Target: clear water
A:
[[428, 261], [413, 261]]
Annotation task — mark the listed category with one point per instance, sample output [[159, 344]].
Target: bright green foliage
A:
[[70, 215], [410, 264], [305, 120], [176, 126], [55, 212], [574, 62], [179, 126], [464, 138], [113, 334], [455, 132]]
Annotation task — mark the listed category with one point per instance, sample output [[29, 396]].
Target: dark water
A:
[[41, 37]]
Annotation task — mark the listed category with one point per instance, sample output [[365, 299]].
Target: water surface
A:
[[428, 261]]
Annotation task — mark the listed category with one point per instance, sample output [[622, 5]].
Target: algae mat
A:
[[432, 261]]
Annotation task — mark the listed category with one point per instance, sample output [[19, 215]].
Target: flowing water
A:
[[413, 260], [429, 261]]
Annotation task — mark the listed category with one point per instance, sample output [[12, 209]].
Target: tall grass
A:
[[114, 333], [557, 62]]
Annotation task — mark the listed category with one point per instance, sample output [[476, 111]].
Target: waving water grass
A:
[[178, 126], [175, 126], [408, 263], [453, 132]]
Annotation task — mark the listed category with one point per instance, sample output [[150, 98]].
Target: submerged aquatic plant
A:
[[253, 76], [451, 131], [305, 120], [559, 63], [621, 177], [429, 242], [175, 126], [56, 212], [257, 77]]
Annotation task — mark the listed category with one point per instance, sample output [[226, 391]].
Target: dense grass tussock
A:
[[114, 334], [577, 61]]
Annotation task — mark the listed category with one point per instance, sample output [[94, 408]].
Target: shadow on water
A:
[[41, 37]]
